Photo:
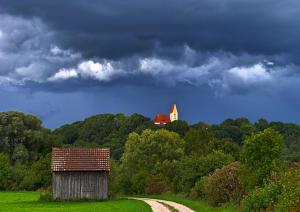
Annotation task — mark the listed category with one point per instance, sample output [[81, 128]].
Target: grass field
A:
[[29, 201], [198, 206]]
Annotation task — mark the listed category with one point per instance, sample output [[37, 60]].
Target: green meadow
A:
[[29, 201]]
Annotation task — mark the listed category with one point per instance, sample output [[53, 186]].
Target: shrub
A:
[[194, 195], [198, 190], [222, 186], [289, 199], [178, 185], [38, 175], [157, 184], [262, 198], [138, 183], [18, 174], [114, 182], [194, 167], [280, 195]]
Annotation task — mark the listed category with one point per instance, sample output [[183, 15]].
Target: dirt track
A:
[[157, 206]]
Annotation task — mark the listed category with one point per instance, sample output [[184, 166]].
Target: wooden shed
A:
[[80, 173]]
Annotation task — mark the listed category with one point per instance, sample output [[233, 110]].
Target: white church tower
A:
[[174, 113]]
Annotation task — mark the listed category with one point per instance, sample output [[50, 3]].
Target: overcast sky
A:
[[67, 60]]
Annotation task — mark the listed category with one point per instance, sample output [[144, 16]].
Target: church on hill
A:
[[163, 119]]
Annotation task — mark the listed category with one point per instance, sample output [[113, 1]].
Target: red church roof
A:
[[162, 119], [173, 106]]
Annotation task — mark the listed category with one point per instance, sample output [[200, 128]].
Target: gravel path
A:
[[157, 206]]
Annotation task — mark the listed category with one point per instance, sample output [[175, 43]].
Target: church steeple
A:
[[174, 113]]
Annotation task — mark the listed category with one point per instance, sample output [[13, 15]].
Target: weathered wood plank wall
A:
[[77, 185]]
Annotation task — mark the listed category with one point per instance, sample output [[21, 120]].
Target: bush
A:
[[280, 195], [114, 179], [18, 174], [178, 185], [289, 199], [194, 167], [38, 175], [138, 183], [221, 186], [262, 198], [157, 184], [194, 195], [198, 190]]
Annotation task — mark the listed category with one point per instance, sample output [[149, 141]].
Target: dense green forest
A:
[[148, 159], [108, 130]]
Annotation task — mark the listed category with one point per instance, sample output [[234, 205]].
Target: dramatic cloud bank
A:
[[30, 52], [27, 51], [224, 72], [65, 61]]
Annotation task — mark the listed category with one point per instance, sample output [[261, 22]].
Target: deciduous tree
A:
[[260, 156]]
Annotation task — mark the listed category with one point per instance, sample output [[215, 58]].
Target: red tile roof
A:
[[80, 159], [173, 106], [161, 118]]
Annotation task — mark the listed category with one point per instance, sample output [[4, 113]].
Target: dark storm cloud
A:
[[66, 60], [29, 55], [28, 51], [114, 29], [34, 48]]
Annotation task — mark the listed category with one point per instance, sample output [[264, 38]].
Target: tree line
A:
[[236, 155]]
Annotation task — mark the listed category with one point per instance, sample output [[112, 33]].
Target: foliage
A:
[[153, 152], [230, 129], [194, 167], [17, 175], [198, 190], [225, 145], [279, 195], [200, 126], [38, 174], [222, 186], [114, 182], [20, 154], [196, 141], [238, 130], [178, 126], [261, 124], [289, 199], [18, 128], [5, 172], [138, 183], [184, 159], [157, 184], [291, 136], [260, 156], [103, 130], [262, 198]]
